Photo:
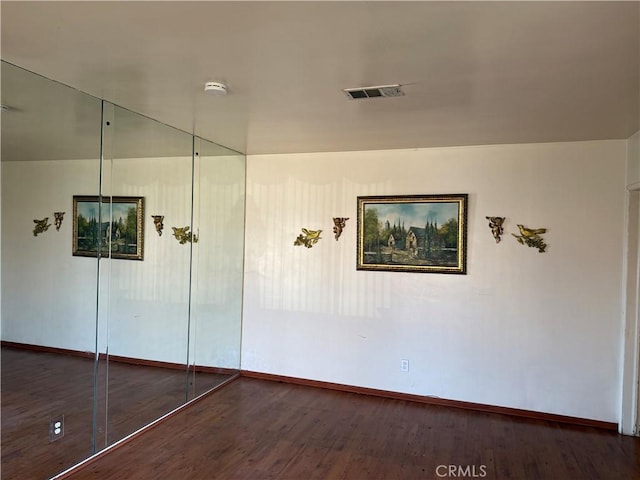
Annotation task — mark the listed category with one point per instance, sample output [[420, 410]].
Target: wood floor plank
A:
[[258, 429], [253, 429]]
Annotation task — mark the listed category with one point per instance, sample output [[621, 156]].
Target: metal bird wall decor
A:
[[531, 237], [58, 217], [338, 225], [308, 238], [41, 226], [495, 223], [183, 235]]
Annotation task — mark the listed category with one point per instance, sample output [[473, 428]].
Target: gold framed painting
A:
[[413, 233], [112, 228]]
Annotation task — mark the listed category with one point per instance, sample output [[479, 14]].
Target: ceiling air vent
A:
[[372, 92]]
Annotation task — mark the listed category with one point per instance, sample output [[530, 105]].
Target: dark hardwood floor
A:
[[259, 429], [39, 385]]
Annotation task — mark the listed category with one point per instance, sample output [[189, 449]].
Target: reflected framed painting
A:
[[116, 230], [413, 233]]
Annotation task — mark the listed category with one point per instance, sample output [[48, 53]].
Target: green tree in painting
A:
[[371, 229], [83, 226], [87, 232], [130, 226], [449, 232]]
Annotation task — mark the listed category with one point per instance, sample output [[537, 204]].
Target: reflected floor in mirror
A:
[[38, 387]]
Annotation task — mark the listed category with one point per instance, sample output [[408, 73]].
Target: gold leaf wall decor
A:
[[58, 217], [338, 225], [495, 224], [157, 221]]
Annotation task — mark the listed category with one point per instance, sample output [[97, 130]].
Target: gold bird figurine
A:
[[312, 234], [531, 237], [309, 239], [41, 226], [182, 234], [531, 232]]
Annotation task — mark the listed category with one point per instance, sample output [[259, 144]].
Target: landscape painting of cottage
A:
[[116, 230], [414, 233]]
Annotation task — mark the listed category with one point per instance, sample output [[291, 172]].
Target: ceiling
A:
[[473, 72]]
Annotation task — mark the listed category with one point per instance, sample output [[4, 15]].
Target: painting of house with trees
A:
[[114, 227], [413, 233]]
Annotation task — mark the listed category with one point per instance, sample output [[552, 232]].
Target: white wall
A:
[[523, 329]]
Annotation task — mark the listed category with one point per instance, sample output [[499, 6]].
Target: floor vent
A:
[[373, 92]]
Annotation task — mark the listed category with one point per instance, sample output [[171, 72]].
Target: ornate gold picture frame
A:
[[114, 228], [413, 233]]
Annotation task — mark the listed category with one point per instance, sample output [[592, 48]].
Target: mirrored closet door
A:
[[217, 267], [144, 286], [50, 152], [122, 260]]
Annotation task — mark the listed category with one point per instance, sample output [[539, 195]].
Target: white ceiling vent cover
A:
[[372, 92]]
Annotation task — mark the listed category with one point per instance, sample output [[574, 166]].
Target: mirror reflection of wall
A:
[[113, 344], [219, 192], [50, 151], [144, 308]]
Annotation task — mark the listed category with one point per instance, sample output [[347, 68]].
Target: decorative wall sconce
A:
[[183, 235], [157, 221], [308, 238], [495, 223], [338, 225], [41, 226], [531, 237], [58, 217]]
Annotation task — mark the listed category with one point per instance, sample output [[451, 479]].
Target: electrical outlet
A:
[[404, 365], [56, 428]]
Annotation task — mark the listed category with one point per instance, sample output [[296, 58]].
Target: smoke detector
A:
[[373, 92], [215, 88]]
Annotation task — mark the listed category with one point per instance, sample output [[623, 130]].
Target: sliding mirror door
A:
[[122, 262], [145, 284], [216, 308], [50, 152]]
